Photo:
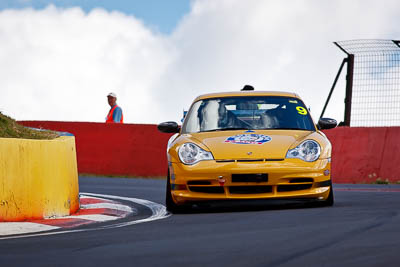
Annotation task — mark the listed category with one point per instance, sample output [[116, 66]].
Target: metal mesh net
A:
[[376, 82]]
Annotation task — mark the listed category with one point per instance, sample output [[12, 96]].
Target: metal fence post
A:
[[349, 89], [333, 87]]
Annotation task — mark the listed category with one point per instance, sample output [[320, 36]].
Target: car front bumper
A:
[[283, 179]]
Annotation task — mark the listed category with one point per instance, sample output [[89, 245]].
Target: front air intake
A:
[[250, 178]]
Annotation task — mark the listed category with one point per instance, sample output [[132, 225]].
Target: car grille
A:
[[250, 189], [324, 183], [293, 187], [294, 184], [301, 180], [207, 189]]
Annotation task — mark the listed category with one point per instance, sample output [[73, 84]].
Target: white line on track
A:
[[94, 217], [108, 206], [158, 212], [24, 227]]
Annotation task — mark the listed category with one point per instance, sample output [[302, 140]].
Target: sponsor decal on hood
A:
[[248, 139]]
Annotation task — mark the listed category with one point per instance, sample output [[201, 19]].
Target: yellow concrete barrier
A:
[[38, 178]]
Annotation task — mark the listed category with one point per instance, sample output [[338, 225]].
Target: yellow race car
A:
[[248, 145]]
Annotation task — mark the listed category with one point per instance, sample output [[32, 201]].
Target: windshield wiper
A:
[[297, 129], [235, 128], [227, 129]]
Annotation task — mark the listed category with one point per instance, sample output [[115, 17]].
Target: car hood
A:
[[262, 144]]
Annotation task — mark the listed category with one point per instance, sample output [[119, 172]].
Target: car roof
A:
[[246, 93]]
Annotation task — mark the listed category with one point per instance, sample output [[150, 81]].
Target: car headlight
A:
[[308, 150], [190, 153]]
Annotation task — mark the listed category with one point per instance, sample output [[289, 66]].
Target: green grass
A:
[[9, 128], [381, 181]]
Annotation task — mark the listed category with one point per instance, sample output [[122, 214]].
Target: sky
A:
[[158, 15], [59, 59]]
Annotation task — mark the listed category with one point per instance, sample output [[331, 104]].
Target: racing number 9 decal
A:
[[301, 110]]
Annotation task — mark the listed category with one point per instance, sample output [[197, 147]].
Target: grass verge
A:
[[9, 128]]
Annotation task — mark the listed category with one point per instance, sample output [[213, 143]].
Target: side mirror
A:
[[326, 123], [169, 127]]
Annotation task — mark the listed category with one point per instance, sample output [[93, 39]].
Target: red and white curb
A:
[[93, 208]]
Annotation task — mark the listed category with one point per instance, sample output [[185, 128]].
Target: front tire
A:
[[330, 200], [169, 201]]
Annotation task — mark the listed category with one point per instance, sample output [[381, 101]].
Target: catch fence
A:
[[372, 82]]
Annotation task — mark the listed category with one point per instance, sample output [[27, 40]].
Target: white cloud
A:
[[59, 64]]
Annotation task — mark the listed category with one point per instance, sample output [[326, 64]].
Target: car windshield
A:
[[247, 112]]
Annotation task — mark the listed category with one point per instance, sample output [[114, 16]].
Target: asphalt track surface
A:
[[361, 229]]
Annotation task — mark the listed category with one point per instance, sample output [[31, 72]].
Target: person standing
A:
[[115, 114]]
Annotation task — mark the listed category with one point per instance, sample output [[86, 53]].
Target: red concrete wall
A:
[[359, 155], [115, 149], [362, 155]]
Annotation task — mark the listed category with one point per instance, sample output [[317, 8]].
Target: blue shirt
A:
[[117, 115]]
